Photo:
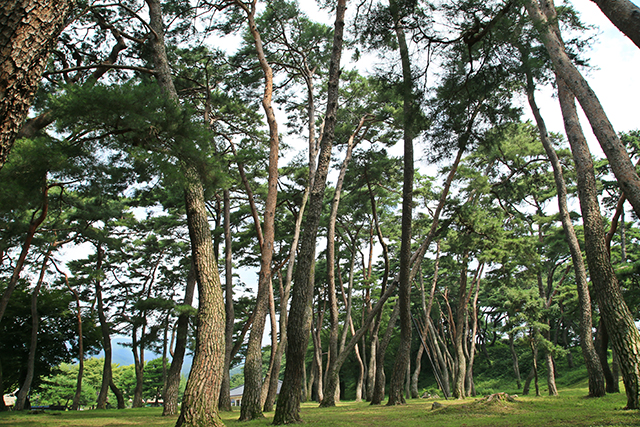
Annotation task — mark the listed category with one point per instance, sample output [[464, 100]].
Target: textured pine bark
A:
[[625, 15], [28, 32], [618, 320], [200, 401]]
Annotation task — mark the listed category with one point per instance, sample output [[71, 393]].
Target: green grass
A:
[[571, 408]]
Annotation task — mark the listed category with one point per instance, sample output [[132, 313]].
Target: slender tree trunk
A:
[[594, 369], [30, 31], [75, 405], [299, 325], [33, 226], [460, 359], [170, 393], [330, 392], [106, 338], [402, 356], [138, 367], [35, 323], [252, 399], [378, 390], [224, 402], [601, 345], [514, 358]]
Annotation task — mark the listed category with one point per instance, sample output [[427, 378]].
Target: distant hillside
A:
[[122, 355]]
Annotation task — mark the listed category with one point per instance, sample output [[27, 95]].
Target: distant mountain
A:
[[122, 355]]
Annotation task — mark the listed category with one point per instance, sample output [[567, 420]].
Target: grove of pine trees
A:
[[179, 173]]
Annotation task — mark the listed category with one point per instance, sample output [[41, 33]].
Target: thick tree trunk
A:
[[615, 151], [170, 393], [618, 320], [625, 15], [288, 407], [594, 369], [30, 29], [200, 401]]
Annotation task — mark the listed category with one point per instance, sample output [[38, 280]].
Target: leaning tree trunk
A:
[[30, 29], [288, 407], [615, 151], [330, 393], [200, 401], [252, 398], [625, 15], [618, 320], [594, 369]]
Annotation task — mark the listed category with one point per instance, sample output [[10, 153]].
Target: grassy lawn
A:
[[571, 408]]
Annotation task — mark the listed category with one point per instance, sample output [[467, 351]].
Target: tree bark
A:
[[615, 151], [35, 324], [625, 15], [288, 407], [200, 401], [252, 398], [594, 369], [30, 29], [618, 320], [404, 350], [224, 402], [170, 393]]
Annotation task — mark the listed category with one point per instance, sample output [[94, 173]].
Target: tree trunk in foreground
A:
[[288, 407], [625, 15], [618, 320], [615, 151], [30, 29], [200, 401]]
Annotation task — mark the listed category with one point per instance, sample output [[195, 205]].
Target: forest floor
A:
[[570, 408]]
